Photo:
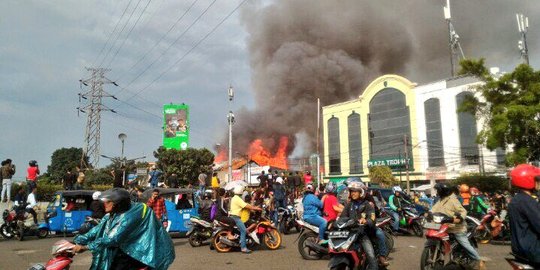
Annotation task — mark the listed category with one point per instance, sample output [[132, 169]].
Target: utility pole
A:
[[230, 120], [406, 146], [453, 40], [318, 139], [93, 108], [523, 26]]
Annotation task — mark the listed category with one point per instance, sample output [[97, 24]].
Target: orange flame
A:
[[221, 156], [263, 157]]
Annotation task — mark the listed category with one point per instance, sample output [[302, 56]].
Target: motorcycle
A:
[[25, 225], [345, 248], [411, 222], [519, 263], [10, 222], [310, 250], [89, 223], [263, 232], [62, 252], [200, 231], [492, 228], [440, 244], [287, 219]]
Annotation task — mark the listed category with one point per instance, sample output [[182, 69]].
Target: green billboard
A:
[[395, 163], [176, 126]]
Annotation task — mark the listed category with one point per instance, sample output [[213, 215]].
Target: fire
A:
[[263, 157], [222, 156]]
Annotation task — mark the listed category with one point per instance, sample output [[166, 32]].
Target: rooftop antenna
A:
[[453, 40], [523, 26]]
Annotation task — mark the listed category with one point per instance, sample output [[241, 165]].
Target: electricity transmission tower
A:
[[93, 106]]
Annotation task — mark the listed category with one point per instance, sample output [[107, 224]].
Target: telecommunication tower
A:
[[93, 106], [523, 26], [453, 40]]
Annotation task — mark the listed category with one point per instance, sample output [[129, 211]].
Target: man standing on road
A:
[[8, 170], [172, 181], [118, 176], [157, 203]]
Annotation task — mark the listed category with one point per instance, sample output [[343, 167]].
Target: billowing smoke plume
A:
[[301, 50]]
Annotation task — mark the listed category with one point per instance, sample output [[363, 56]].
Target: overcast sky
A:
[[45, 47]]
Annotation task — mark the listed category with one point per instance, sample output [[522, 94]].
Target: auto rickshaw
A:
[[67, 210], [180, 205]]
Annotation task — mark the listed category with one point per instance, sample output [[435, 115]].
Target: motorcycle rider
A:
[[331, 207], [448, 204], [31, 203], [360, 209], [313, 211], [524, 213], [478, 206], [96, 206], [396, 202], [116, 241], [205, 207], [237, 204]]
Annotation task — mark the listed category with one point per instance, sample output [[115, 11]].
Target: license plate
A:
[[432, 226], [338, 234]]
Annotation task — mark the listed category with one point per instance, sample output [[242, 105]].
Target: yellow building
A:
[[377, 128]]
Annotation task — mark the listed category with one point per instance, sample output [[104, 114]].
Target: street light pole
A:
[[122, 138], [230, 119]]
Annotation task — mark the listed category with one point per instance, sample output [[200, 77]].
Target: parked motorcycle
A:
[[62, 252], [492, 228], [200, 232], [440, 244], [265, 234], [287, 219], [310, 250], [9, 226], [345, 248]]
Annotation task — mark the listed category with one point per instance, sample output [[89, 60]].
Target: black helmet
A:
[[32, 163], [120, 198], [443, 190]]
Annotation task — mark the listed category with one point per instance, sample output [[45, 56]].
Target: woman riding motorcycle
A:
[[360, 209], [313, 211], [128, 237], [449, 205]]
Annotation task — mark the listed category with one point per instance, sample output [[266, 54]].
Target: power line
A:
[[110, 35], [127, 36], [168, 48], [161, 39], [121, 30], [192, 48]]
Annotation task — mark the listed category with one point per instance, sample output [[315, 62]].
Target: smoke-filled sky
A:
[[280, 55], [301, 50]]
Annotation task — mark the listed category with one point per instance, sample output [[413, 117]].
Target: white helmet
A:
[[397, 189], [279, 180], [96, 195], [238, 190]]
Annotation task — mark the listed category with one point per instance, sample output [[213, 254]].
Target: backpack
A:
[[213, 211]]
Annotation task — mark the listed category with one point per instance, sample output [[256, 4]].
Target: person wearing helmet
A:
[[96, 206], [313, 211], [205, 206], [236, 207], [396, 202], [524, 213], [465, 196], [280, 198], [449, 205], [32, 174], [116, 241], [331, 207], [478, 206], [360, 209]]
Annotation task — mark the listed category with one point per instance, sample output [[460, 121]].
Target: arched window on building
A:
[[467, 133], [355, 143], [389, 123], [334, 154], [432, 111]]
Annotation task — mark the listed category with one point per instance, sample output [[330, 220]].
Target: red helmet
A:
[[523, 176], [475, 191]]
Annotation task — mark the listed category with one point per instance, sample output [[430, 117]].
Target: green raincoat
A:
[[137, 232]]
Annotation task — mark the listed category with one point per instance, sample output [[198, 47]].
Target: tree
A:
[[64, 159], [511, 108], [485, 183], [382, 175], [187, 164]]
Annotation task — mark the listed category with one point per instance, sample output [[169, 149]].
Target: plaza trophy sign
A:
[[176, 126], [393, 163]]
